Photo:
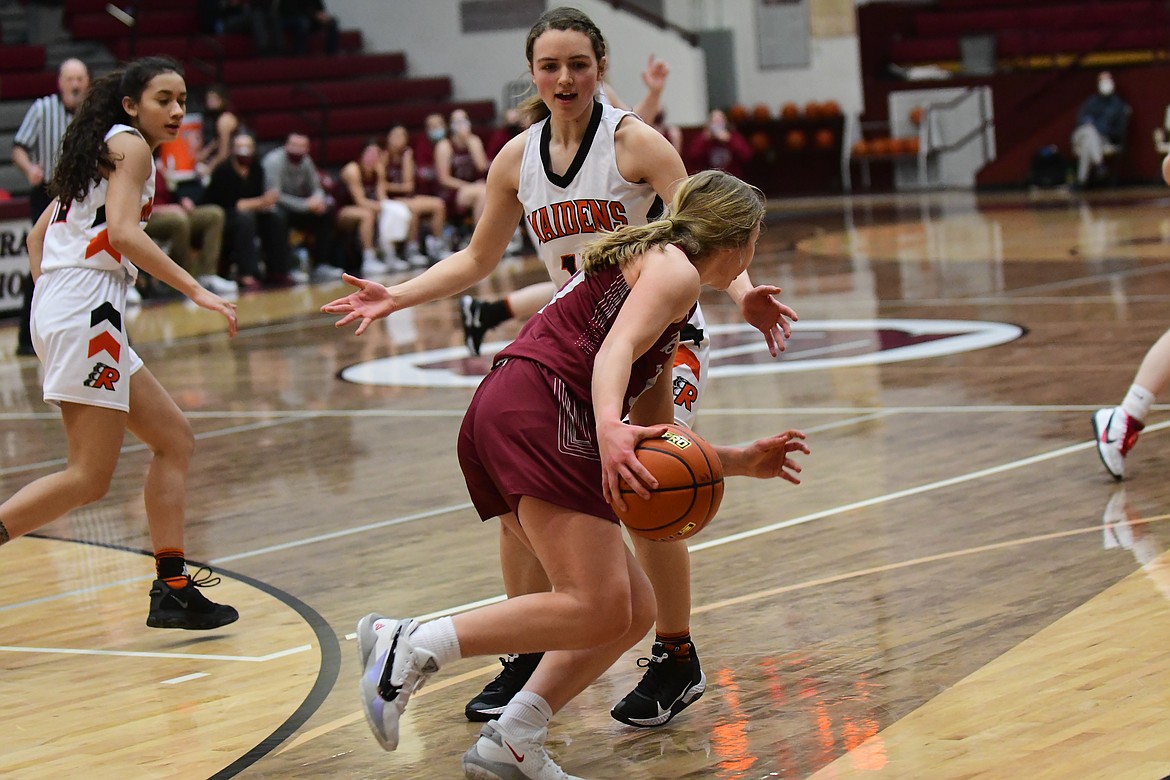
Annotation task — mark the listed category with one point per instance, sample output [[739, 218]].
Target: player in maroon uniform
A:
[[544, 447]]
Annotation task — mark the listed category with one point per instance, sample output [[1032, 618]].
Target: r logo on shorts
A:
[[102, 377], [685, 393]]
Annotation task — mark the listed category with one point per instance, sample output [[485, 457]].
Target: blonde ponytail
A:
[[710, 210]]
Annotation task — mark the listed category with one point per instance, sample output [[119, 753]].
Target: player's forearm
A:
[[448, 277]]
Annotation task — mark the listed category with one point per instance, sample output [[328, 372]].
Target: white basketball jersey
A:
[[77, 236], [563, 213]]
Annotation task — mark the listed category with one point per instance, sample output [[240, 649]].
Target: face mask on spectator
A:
[[295, 157], [436, 134], [1105, 86], [460, 126], [718, 127]]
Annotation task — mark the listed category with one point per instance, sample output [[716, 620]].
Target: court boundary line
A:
[[718, 542]]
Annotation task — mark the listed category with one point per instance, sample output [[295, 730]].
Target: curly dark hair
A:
[[85, 158]]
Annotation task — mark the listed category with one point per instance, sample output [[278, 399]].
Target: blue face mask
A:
[[436, 135]]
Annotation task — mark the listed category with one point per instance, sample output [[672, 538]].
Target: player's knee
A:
[[89, 486], [178, 442], [614, 620]]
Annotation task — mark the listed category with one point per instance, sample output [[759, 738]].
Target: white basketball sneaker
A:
[[499, 756], [1116, 433], [392, 669]]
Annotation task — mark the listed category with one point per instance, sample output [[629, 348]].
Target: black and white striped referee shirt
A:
[[41, 130]]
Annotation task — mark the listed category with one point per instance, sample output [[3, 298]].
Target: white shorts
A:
[[79, 334], [692, 365]]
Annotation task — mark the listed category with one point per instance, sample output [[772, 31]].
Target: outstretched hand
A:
[[371, 302], [768, 458], [205, 299], [762, 311]]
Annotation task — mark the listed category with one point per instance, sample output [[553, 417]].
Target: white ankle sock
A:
[[438, 636], [526, 715], [1137, 402], [368, 255]]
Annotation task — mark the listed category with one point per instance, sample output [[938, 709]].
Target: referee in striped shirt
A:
[[35, 150]]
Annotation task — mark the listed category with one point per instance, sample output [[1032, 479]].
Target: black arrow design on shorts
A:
[[106, 312]]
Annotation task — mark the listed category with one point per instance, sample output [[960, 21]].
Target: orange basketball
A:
[[861, 148], [824, 138], [737, 113], [910, 145], [795, 140], [690, 487], [761, 141], [916, 115], [812, 110], [830, 108], [761, 113], [789, 111]]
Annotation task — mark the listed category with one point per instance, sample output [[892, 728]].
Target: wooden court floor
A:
[[957, 590]]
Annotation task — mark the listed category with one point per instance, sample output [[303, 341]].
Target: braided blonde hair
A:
[[710, 210]]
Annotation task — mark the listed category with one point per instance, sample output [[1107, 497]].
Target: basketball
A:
[[825, 138], [690, 487], [795, 140]]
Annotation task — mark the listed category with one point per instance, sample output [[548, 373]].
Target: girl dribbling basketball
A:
[[543, 447], [583, 168]]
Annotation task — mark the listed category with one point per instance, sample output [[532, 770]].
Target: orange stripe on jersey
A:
[[104, 342], [686, 357], [101, 243]]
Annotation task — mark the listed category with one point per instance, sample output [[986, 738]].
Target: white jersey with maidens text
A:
[[563, 212], [77, 236]]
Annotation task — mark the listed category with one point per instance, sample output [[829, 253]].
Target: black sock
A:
[[677, 645], [492, 313]]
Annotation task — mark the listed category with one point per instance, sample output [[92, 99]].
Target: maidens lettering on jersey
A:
[[573, 217]]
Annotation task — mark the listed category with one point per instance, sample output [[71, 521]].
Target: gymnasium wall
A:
[[833, 72], [480, 64]]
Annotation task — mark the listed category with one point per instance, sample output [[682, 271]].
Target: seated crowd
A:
[[241, 222]]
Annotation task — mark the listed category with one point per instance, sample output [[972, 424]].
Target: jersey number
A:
[[569, 263]]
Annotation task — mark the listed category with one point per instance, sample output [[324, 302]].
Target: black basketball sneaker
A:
[[490, 702], [667, 688], [186, 607]]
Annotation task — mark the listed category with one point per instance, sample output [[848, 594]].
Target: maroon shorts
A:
[[526, 435]]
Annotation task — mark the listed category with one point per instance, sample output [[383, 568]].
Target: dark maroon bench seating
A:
[[27, 86], [21, 59], [372, 120], [294, 97], [210, 49]]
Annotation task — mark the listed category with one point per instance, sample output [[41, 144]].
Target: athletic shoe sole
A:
[[689, 697]]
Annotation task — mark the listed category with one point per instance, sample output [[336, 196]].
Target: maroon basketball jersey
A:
[[566, 334]]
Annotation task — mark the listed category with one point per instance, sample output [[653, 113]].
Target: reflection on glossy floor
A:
[[956, 590]]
